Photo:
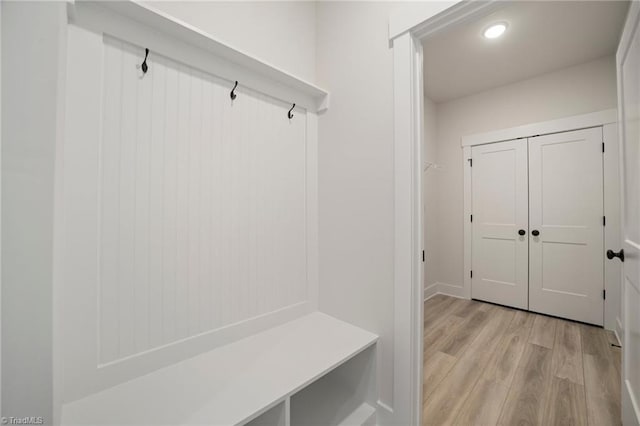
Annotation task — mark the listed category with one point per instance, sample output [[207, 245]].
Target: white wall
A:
[[429, 197], [355, 150], [356, 182], [571, 91], [280, 33], [430, 154], [31, 34]]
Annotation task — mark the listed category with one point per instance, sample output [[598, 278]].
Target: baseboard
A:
[[618, 331], [384, 414], [630, 411], [445, 289], [452, 290], [385, 407], [430, 291]]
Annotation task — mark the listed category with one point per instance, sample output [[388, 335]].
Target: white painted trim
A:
[[129, 20], [408, 270], [612, 230], [430, 291], [34, 166], [445, 290], [287, 411], [406, 28], [311, 213], [58, 222], [618, 331], [436, 16], [631, 417], [453, 291], [1, 210], [566, 124], [606, 118], [432, 295], [615, 333], [630, 410], [388, 410], [467, 225]]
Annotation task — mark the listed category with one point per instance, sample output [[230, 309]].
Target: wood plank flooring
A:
[[490, 365]]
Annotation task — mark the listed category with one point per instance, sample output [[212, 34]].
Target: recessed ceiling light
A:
[[495, 30]]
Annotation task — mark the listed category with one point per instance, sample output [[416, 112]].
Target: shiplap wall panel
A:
[[156, 206], [202, 204], [108, 232]]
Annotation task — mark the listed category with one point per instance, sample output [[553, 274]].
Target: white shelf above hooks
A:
[[167, 30]]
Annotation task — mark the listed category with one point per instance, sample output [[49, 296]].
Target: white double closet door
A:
[[537, 228]]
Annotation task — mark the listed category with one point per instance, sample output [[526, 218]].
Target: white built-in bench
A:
[[315, 370]]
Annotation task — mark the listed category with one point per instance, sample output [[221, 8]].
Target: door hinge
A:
[[604, 221], [604, 294], [602, 146], [470, 160], [471, 274], [471, 217], [423, 255]]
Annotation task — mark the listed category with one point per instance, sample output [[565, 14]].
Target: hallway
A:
[[487, 364]]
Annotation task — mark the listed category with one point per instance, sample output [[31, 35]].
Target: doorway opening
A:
[[520, 202]]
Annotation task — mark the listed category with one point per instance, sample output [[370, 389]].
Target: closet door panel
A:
[[566, 209], [499, 204]]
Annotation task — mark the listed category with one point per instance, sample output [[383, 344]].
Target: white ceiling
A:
[[542, 36]]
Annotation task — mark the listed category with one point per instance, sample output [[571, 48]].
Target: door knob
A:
[[611, 254], [535, 232], [521, 232]]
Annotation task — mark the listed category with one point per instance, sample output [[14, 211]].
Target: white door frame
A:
[[406, 28], [607, 119], [630, 406]]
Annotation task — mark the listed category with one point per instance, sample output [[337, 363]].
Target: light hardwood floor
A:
[[488, 365]]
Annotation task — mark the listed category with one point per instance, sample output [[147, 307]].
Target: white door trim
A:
[[406, 30], [608, 120], [408, 292], [133, 21], [630, 407], [612, 230], [576, 122], [435, 16]]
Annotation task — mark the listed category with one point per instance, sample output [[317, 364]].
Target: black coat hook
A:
[[144, 65], [289, 114], [233, 94]]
